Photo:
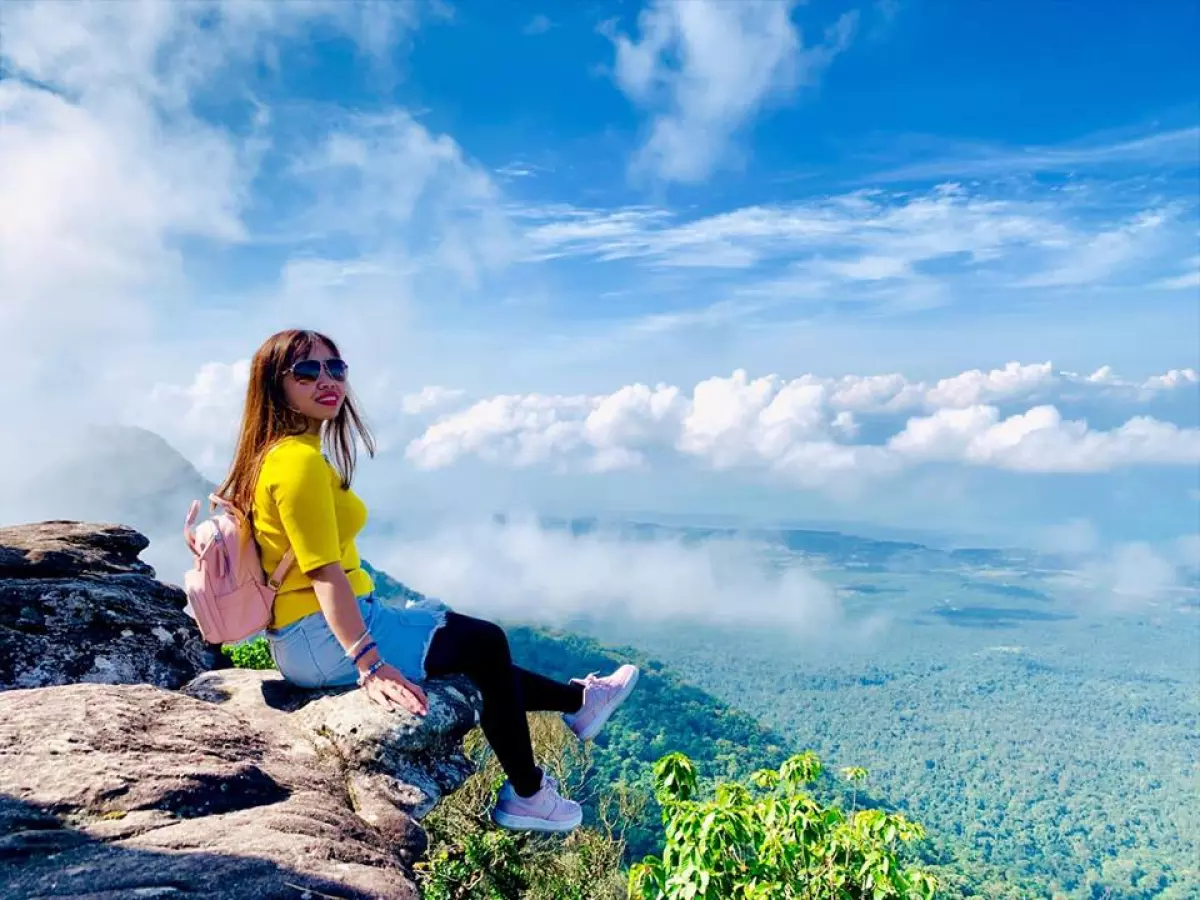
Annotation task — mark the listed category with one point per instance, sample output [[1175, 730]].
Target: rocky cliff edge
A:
[[131, 767]]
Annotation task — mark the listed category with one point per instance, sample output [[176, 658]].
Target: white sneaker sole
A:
[[529, 823], [601, 720]]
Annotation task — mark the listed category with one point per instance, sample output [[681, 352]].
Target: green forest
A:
[[666, 714], [1050, 753], [1059, 776]]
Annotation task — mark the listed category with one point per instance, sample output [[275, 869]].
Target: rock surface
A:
[[237, 785], [77, 605]]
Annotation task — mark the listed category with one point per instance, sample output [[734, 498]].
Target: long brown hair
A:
[[266, 417]]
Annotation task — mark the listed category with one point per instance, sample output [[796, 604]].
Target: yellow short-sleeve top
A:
[[299, 503]]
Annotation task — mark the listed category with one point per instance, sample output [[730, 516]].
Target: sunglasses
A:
[[307, 371]]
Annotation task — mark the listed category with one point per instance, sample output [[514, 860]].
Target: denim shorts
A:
[[307, 653]]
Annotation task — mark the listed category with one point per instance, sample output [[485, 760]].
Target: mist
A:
[[1121, 576], [524, 571]]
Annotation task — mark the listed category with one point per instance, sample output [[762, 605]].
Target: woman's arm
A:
[[387, 686]]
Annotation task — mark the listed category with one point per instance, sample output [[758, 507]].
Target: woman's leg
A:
[[543, 694], [479, 650]]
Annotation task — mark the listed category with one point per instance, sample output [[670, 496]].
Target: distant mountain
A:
[[114, 474]]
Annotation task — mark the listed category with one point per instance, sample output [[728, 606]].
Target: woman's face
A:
[[312, 390]]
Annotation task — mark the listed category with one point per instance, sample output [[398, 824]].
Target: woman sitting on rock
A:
[[328, 628]]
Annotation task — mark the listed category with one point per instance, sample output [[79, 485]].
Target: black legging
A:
[[479, 650]]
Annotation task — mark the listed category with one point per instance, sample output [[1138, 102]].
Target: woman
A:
[[329, 629]]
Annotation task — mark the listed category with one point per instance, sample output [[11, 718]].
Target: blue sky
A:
[[860, 261]]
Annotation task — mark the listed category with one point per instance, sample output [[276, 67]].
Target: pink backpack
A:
[[227, 593]]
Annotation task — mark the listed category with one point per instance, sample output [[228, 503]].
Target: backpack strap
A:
[[187, 527], [289, 555], [276, 578]]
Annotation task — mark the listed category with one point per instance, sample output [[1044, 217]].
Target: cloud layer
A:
[[902, 251], [804, 428], [807, 429]]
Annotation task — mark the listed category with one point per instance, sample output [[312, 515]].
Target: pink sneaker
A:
[[544, 811], [601, 697]]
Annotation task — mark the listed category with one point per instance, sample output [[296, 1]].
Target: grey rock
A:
[[130, 768], [238, 786], [66, 549], [77, 605]]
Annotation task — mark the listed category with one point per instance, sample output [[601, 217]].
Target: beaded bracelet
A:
[[364, 651], [375, 667]]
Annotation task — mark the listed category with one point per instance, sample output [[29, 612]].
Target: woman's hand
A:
[[390, 689]]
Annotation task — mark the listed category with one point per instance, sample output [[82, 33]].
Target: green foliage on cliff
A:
[[772, 840], [252, 654]]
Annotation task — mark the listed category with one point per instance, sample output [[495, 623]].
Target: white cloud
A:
[[733, 420], [799, 428], [521, 430], [108, 172], [1170, 380], [1131, 575], [531, 429], [1040, 440], [390, 183], [1182, 282], [946, 435], [96, 198], [895, 249], [539, 24], [1093, 260], [430, 397], [1190, 278], [1124, 576], [975, 386], [705, 68], [200, 418], [870, 268], [959, 160], [633, 416], [1103, 375], [122, 195], [876, 393]]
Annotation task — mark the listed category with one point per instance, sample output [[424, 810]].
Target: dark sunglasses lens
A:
[[307, 370], [336, 369]]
